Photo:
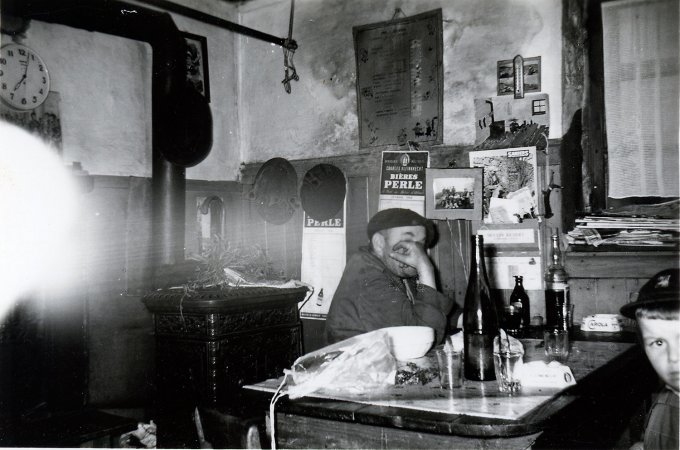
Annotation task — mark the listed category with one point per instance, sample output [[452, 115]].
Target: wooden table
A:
[[612, 380]]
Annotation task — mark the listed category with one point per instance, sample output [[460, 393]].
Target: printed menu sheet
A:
[[399, 80]]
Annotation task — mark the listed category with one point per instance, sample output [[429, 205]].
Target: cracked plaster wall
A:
[[319, 117]]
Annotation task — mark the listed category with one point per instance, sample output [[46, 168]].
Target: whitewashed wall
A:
[[319, 118], [104, 81]]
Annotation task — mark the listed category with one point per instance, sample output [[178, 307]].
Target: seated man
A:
[[657, 311], [390, 283]]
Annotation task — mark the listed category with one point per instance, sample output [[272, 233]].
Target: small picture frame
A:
[[532, 76], [197, 63], [454, 193]]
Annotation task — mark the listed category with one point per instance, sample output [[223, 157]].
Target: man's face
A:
[[392, 237], [661, 341]]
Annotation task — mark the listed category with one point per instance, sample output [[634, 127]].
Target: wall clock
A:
[[24, 79]]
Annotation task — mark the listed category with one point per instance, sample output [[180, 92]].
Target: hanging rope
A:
[[288, 53], [397, 13]]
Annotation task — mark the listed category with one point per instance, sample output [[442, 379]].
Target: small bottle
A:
[[319, 298], [519, 295], [557, 301], [480, 318]]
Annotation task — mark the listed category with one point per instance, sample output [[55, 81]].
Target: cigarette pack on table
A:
[[602, 322], [540, 374]]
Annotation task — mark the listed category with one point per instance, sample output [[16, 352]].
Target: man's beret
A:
[[400, 217]]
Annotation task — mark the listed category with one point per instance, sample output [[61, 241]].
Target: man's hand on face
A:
[[410, 253], [413, 254]]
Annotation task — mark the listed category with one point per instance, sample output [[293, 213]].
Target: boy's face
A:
[[661, 341]]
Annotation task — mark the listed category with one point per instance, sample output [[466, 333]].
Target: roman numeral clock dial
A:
[[24, 80]]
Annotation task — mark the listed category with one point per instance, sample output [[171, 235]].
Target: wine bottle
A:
[[519, 295], [480, 319], [557, 301]]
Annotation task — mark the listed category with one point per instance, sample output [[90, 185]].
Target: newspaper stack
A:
[[625, 231]]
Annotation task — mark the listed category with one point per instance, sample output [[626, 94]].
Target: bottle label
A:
[[558, 309], [558, 286], [479, 357]]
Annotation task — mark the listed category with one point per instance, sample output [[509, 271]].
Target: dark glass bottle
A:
[[557, 301], [480, 319], [519, 295]]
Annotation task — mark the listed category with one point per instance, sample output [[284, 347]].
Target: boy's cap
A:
[[400, 217], [662, 289]]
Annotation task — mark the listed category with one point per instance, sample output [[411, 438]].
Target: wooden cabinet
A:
[[210, 343]]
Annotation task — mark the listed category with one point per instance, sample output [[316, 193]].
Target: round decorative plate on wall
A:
[[323, 191], [275, 191]]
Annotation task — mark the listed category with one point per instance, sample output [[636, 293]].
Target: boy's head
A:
[[657, 311]]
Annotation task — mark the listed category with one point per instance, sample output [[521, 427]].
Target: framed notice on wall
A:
[[400, 80]]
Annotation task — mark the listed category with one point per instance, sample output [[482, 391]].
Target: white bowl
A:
[[409, 342]]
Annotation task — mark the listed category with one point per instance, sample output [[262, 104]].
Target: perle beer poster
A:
[[402, 180], [323, 261]]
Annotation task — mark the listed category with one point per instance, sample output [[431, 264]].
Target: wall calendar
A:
[[400, 80]]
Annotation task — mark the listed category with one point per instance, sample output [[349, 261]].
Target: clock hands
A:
[[23, 77]]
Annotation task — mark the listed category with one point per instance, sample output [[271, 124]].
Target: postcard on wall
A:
[[402, 180], [510, 183], [503, 122], [454, 194], [502, 269], [323, 261], [400, 80]]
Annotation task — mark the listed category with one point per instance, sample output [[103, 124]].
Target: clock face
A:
[[24, 80]]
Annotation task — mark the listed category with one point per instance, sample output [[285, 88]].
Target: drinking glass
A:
[[556, 345], [506, 364], [450, 368], [512, 319]]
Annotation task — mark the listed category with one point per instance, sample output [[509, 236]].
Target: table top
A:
[[476, 409]]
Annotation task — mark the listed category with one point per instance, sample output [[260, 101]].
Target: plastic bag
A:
[[356, 365]]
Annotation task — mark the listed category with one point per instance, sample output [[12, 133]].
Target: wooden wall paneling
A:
[[461, 232], [357, 213], [192, 231], [583, 294], [594, 140], [442, 258], [633, 285], [274, 244], [235, 207], [362, 171], [231, 194], [573, 93], [611, 295], [373, 194], [254, 231], [293, 246], [619, 264]]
